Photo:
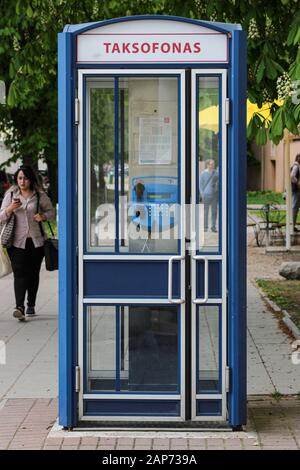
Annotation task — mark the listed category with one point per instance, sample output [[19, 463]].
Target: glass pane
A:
[[208, 163], [100, 132], [208, 353], [148, 164], [133, 123], [152, 350], [132, 349], [101, 348]]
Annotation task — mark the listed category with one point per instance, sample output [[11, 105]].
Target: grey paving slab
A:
[[31, 347], [270, 366]]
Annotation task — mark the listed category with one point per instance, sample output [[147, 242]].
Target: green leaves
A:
[[294, 34], [267, 67], [257, 128], [286, 116], [277, 126], [283, 118], [260, 70], [261, 136], [294, 70], [297, 113], [290, 117], [12, 95], [278, 123], [29, 12]]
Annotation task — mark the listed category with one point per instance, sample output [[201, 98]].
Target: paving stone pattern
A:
[[26, 424]]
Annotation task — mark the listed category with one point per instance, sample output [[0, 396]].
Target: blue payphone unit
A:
[[154, 199]]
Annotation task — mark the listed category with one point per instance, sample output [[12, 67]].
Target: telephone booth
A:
[[152, 213]]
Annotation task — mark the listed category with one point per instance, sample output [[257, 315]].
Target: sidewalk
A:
[[28, 387], [28, 424], [31, 346]]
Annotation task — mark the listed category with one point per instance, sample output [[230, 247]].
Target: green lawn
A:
[[286, 294], [268, 197], [264, 197], [275, 217]]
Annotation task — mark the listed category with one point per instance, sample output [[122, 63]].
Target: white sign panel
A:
[[155, 144], [152, 47]]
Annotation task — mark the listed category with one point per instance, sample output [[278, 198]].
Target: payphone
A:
[[154, 206]]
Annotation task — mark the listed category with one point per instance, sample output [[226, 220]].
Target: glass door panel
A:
[[131, 289], [133, 160], [132, 349], [208, 162], [101, 348], [209, 252], [100, 177], [208, 349]]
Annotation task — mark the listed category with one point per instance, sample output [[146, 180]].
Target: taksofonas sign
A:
[[195, 44]]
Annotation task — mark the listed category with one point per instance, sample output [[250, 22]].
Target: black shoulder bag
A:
[[50, 244]]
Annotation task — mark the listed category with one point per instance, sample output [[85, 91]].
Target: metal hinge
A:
[[77, 379], [77, 111], [227, 379], [227, 110]]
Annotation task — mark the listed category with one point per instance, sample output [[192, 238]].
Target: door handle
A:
[[170, 279], [205, 298]]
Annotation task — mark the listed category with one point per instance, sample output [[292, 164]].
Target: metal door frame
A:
[[81, 301], [207, 257]]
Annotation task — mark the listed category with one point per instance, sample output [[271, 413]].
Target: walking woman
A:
[[30, 206]]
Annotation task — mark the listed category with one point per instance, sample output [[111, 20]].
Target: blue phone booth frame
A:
[[236, 206]]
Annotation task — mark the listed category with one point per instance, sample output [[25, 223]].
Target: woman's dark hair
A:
[[297, 159], [30, 174]]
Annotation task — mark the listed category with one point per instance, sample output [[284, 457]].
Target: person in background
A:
[[209, 192], [27, 250], [295, 180]]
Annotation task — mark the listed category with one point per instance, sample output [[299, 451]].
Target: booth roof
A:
[[223, 27]]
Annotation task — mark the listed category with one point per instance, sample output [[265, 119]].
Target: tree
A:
[[28, 61], [28, 66]]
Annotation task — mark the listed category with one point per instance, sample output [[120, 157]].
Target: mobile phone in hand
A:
[[16, 199]]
